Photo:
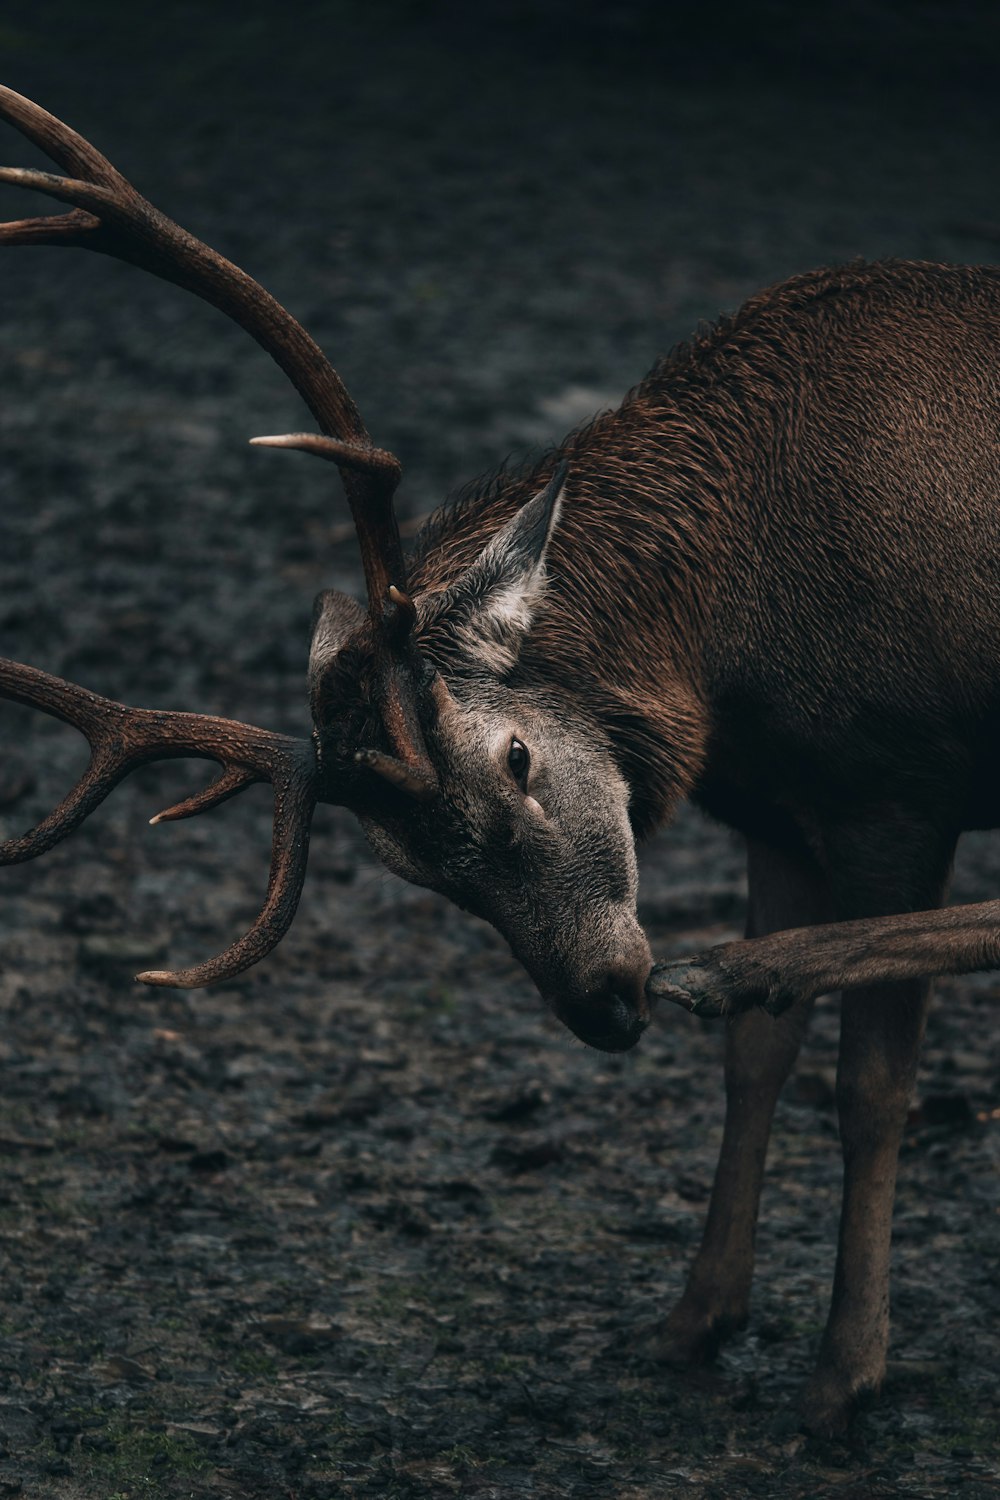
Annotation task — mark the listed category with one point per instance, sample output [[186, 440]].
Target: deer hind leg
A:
[[881, 1031], [760, 1051]]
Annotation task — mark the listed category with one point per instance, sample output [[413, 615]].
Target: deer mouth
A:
[[613, 1025]]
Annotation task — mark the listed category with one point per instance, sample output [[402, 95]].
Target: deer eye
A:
[[518, 761]]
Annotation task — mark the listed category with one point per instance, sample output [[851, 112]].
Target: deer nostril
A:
[[626, 988], [624, 1017]]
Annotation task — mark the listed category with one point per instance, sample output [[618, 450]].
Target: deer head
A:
[[504, 798]]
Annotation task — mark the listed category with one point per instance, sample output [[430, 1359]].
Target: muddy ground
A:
[[365, 1221]]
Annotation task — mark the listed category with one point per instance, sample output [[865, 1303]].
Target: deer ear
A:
[[335, 617], [488, 612]]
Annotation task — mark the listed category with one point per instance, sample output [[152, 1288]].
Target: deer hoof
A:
[[688, 1336], [830, 1403], [687, 983]]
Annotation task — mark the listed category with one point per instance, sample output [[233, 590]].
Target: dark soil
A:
[[365, 1221]]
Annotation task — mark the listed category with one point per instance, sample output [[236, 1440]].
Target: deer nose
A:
[[612, 1017]]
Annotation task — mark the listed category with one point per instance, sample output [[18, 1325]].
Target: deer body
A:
[[775, 585], [768, 581]]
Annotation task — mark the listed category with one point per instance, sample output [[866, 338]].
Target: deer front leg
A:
[[760, 1052], [771, 972]]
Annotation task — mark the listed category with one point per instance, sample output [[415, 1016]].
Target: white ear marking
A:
[[489, 611]]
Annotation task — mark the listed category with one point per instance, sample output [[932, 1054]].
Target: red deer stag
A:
[[769, 581]]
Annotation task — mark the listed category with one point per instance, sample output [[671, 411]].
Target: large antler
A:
[[109, 216]]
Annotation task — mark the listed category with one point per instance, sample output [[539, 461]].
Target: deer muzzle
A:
[[613, 1016]]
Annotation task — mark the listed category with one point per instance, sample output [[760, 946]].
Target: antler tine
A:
[[64, 146], [229, 784], [122, 738], [370, 480]]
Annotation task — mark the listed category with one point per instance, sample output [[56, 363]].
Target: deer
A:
[[768, 582]]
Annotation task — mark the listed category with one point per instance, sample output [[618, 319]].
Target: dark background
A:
[[365, 1220]]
